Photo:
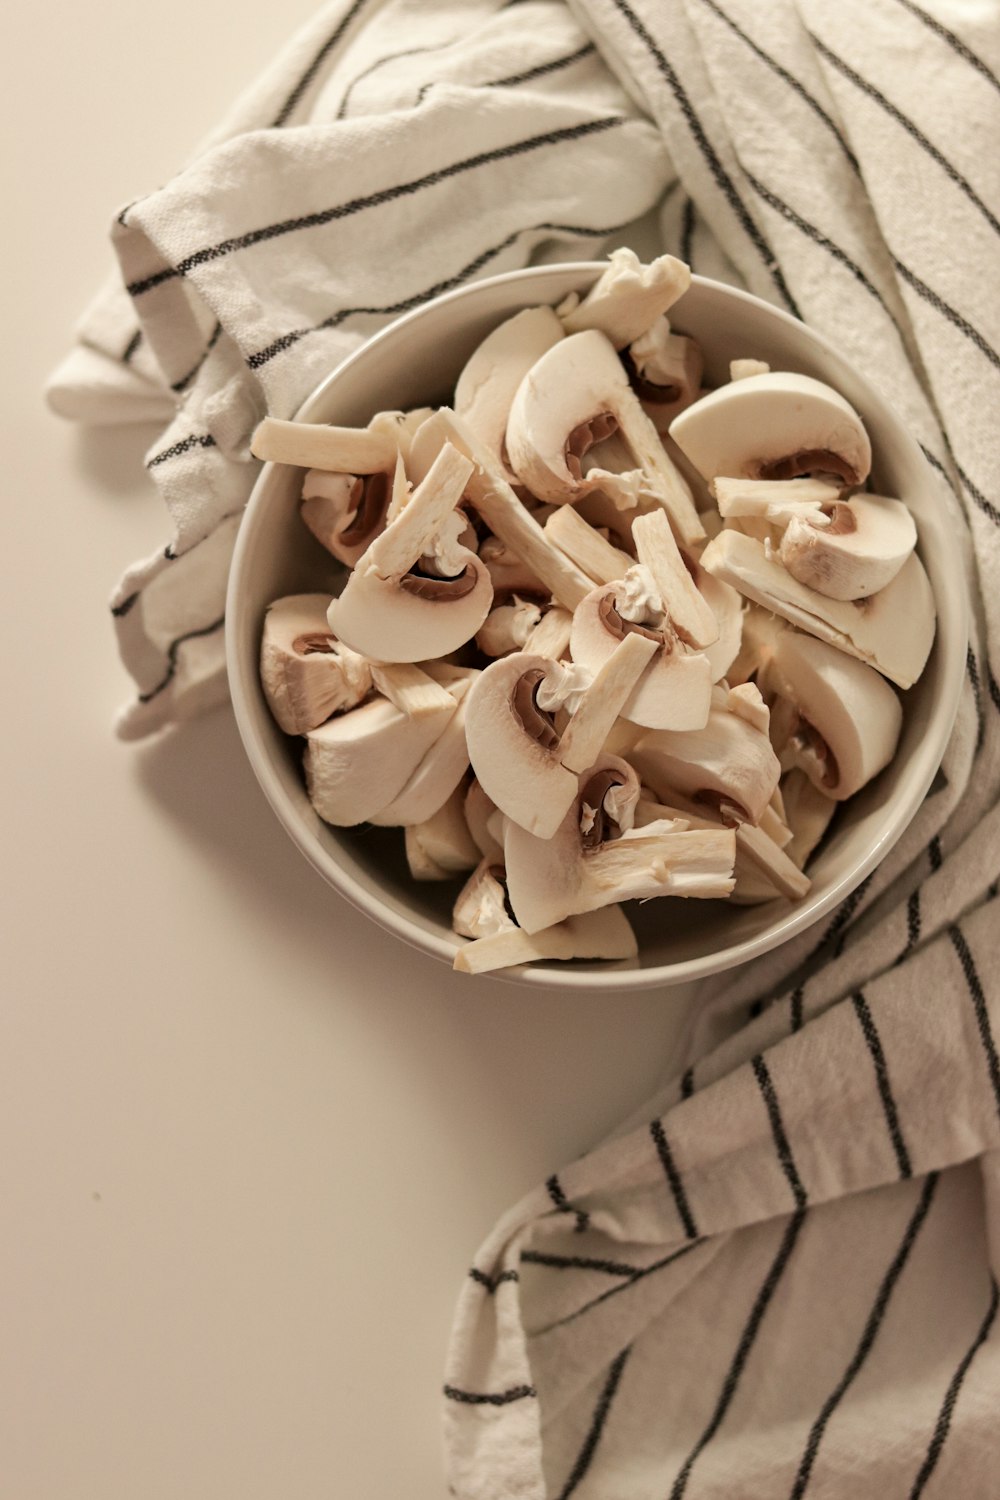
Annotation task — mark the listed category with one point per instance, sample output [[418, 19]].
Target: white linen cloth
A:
[[779, 1277]]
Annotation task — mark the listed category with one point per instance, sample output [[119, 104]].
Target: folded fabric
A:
[[777, 1278], [398, 149]]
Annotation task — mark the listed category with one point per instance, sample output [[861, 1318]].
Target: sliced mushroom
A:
[[355, 764], [585, 546], [628, 297], [849, 718], [506, 516], [489, 379], [508, 627], [440, 771], [340, 450], [665, 369], [742, 369], [416, 593], [514, 746], [893, 630], [550, 636], [857, 550], [594, 859], [761, 869], [507, 572], [306, 673], [604, 700], [577, 395], [421, 865], [479, 809], [760, 631], [444, 837], [728, 765], [675, 690], [481, 908], [689, 611], [409, 688], [809, 812], [774, 501], [601, 934], [776, 426]]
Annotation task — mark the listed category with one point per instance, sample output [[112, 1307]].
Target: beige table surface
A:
[[249, 1145]]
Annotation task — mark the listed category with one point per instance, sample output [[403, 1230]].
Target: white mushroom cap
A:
[[893, 630], [729, 763], [491, 376], [345, 512], [774, 426], [577, 395], [854, 551], [676, 688], [594, 859], [666, 372], [850, 718], [628, 298], [809, 812], [392, 613], [306, 673], [440, 770], [355, 764], [479, 809], [514, 747]]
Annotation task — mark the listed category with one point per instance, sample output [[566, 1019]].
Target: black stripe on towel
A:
[[994, 687], [118, 610], [791, 80], [579, 1263], [623, 1286], [912, 130], [818, 238], [952, 40], [974, 983], [179, 385], [947, 311], [868, 1337], [718, 171], [874, 1044], [913, 925], [987, 508], [795, 1007], [943, 1423], [317, 62], [380, 62], [555, 1191], [262, 356], [374, 200], [784, 1150], [492, 1282], [934, 853], [769, 1285], [972, 670], [585, 1457], [128, 353], [489, 1398], [172, 650], [196, 440], [687, 231], [687, 1083], [543, 69], [673, 1177]]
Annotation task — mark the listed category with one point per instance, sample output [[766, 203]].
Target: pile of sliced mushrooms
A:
[[605, 636]]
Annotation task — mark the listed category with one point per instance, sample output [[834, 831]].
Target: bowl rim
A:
[[925, 762]]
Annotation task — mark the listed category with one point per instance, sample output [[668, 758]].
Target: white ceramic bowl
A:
[[414, 362]]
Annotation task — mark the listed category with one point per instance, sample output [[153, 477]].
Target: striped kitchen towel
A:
[[779, 1277], [398, 149]]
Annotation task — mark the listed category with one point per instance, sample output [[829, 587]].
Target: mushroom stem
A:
[[315, 445], [603, 934], [410, 689], [584, 736], [410, 536], [690, 615], [585, 546]]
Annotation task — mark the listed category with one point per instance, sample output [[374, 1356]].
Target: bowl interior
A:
[[415, 362]]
